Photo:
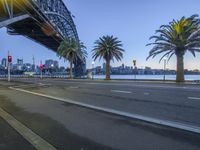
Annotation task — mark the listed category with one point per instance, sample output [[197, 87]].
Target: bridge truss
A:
[[47, 22]]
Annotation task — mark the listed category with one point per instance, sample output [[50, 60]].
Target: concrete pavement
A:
[[10, 139]]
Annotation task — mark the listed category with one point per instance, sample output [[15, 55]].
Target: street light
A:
[[52, 69], [135, 68], [165, 61], [93, 70]]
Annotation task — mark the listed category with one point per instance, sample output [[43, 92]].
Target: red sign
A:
[[9, 59]]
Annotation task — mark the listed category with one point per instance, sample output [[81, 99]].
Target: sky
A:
[[132, 21]]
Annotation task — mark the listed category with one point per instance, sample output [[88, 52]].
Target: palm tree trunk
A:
[[180, 68], [107, 69], [70, 74]]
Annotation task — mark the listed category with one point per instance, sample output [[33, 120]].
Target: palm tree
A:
[[176, 39], [108, 48], [72, 50]]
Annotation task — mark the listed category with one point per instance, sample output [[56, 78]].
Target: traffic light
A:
[[42, 66], [9, 59], [134, 62]]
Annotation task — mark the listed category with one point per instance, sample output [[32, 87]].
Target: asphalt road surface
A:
[[50, 109]]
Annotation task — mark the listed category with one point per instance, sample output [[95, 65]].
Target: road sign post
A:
[[9, 62], [40, 73], [8, 72]]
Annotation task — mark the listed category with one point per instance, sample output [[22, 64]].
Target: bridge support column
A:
[[79, 69]]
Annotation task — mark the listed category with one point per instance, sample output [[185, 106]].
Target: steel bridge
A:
[[46, 22]]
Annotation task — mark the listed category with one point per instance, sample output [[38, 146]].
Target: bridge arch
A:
[[33, 15]]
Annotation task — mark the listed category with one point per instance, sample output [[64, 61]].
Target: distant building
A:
[[98, 70], [20, 61], [19, 65], [62, 69], [28, 67], [49, 63], [4, 62], [123, 66], [55, 64], [147, 68]]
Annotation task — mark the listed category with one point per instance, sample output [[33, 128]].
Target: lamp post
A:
[[165, 62], [93, 70], [52, 68], [134, 64]]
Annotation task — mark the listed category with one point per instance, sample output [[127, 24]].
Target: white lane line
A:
[[96, 83], [167, 123], [34, 139], [146, 93], [194, 98], [73, 87], [42, 84], [118, 91], [32, 85]]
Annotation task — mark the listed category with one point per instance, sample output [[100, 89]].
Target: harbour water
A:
[[149, 77]]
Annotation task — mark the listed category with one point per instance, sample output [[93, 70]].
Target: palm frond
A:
[[178, 36], [108, 48], [72, 50]]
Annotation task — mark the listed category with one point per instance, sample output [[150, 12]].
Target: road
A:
[[83, 114]]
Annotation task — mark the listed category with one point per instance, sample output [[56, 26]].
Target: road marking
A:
[[167, 123], [38, 142], [146, 93], [73, 87], [194, 98], [93, 83], [32, 85], [133, 85], [118, 91]]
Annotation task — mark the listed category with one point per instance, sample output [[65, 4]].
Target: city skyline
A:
[[49, 62], [51, 67], [134, 34]]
